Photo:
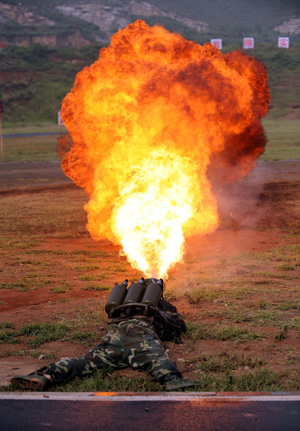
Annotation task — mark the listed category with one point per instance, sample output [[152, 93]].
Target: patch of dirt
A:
[[253, 216]]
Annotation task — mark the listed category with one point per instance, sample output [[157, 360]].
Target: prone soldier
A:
[[141, 320]]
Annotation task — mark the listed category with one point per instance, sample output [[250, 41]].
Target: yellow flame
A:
[[156, 206]]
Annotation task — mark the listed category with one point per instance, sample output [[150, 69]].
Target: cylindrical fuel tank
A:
[[153, 293], [135, 292], [116, 296]]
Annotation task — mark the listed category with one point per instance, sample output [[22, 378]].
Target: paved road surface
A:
[[78, 412]]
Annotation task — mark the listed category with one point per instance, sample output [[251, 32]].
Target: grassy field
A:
[[283, 139], [37, 148], [44, 148], [42, 128], [238, 289], [242, 309]]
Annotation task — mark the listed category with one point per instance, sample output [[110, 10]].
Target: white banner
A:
[[59, 120], [283, 42], [248, 42], [217, 43]]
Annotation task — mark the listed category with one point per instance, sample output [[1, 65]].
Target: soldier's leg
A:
[[144, 350], [109, 353]]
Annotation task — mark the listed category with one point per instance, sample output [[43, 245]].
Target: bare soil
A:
[[254, 216]]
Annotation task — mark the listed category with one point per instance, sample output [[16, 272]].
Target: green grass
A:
[[83, 337], [197, 331], [91, 315], [108, 381], [251, 381], [97, 287], [224, 362], [201, 294], [36, 148], [88, 277], [290, 305], [61, 289], [265, 317], [44, 127], [6, 325], [25, 353], [283, 139], [87, 267], [31, 282], [285, 267], [40, 333], [8, 336], [282, 333], [283, 143], [52, 216]]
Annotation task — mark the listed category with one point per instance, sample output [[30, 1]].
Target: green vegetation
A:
[[95, 286], [40, 333], [86, 267], [260, 380], [8, 336], [36, 79], [196, 331], [83, 337], [106, 381], [25, 353], [224, 362], [283, 139], [282, 333], [61, 289], [6, 325], [198, 294], [39, 148], [47, 75], [31, 282]]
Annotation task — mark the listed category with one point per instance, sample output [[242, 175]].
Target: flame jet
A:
[[149, 121]]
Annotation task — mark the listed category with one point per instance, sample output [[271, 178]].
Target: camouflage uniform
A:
[[132, 343]]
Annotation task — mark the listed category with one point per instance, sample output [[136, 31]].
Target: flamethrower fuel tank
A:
[[135, 292], [116, 296], [153, 293]]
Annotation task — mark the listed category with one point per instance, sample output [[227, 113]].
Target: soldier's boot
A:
[[33, 382], [173, 385]]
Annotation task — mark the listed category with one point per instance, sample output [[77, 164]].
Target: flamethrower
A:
[[140, 298]]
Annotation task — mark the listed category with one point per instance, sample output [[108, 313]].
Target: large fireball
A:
[[150, 121]]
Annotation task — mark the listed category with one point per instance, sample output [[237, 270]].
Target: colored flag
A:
[[59, 120], [248, 42], [283, 42], [217, 43]]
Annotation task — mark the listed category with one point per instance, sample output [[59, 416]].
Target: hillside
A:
[[78, 23], [46, 42], [35, 79]]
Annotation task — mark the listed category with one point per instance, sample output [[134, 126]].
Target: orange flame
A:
[[149, 120]]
